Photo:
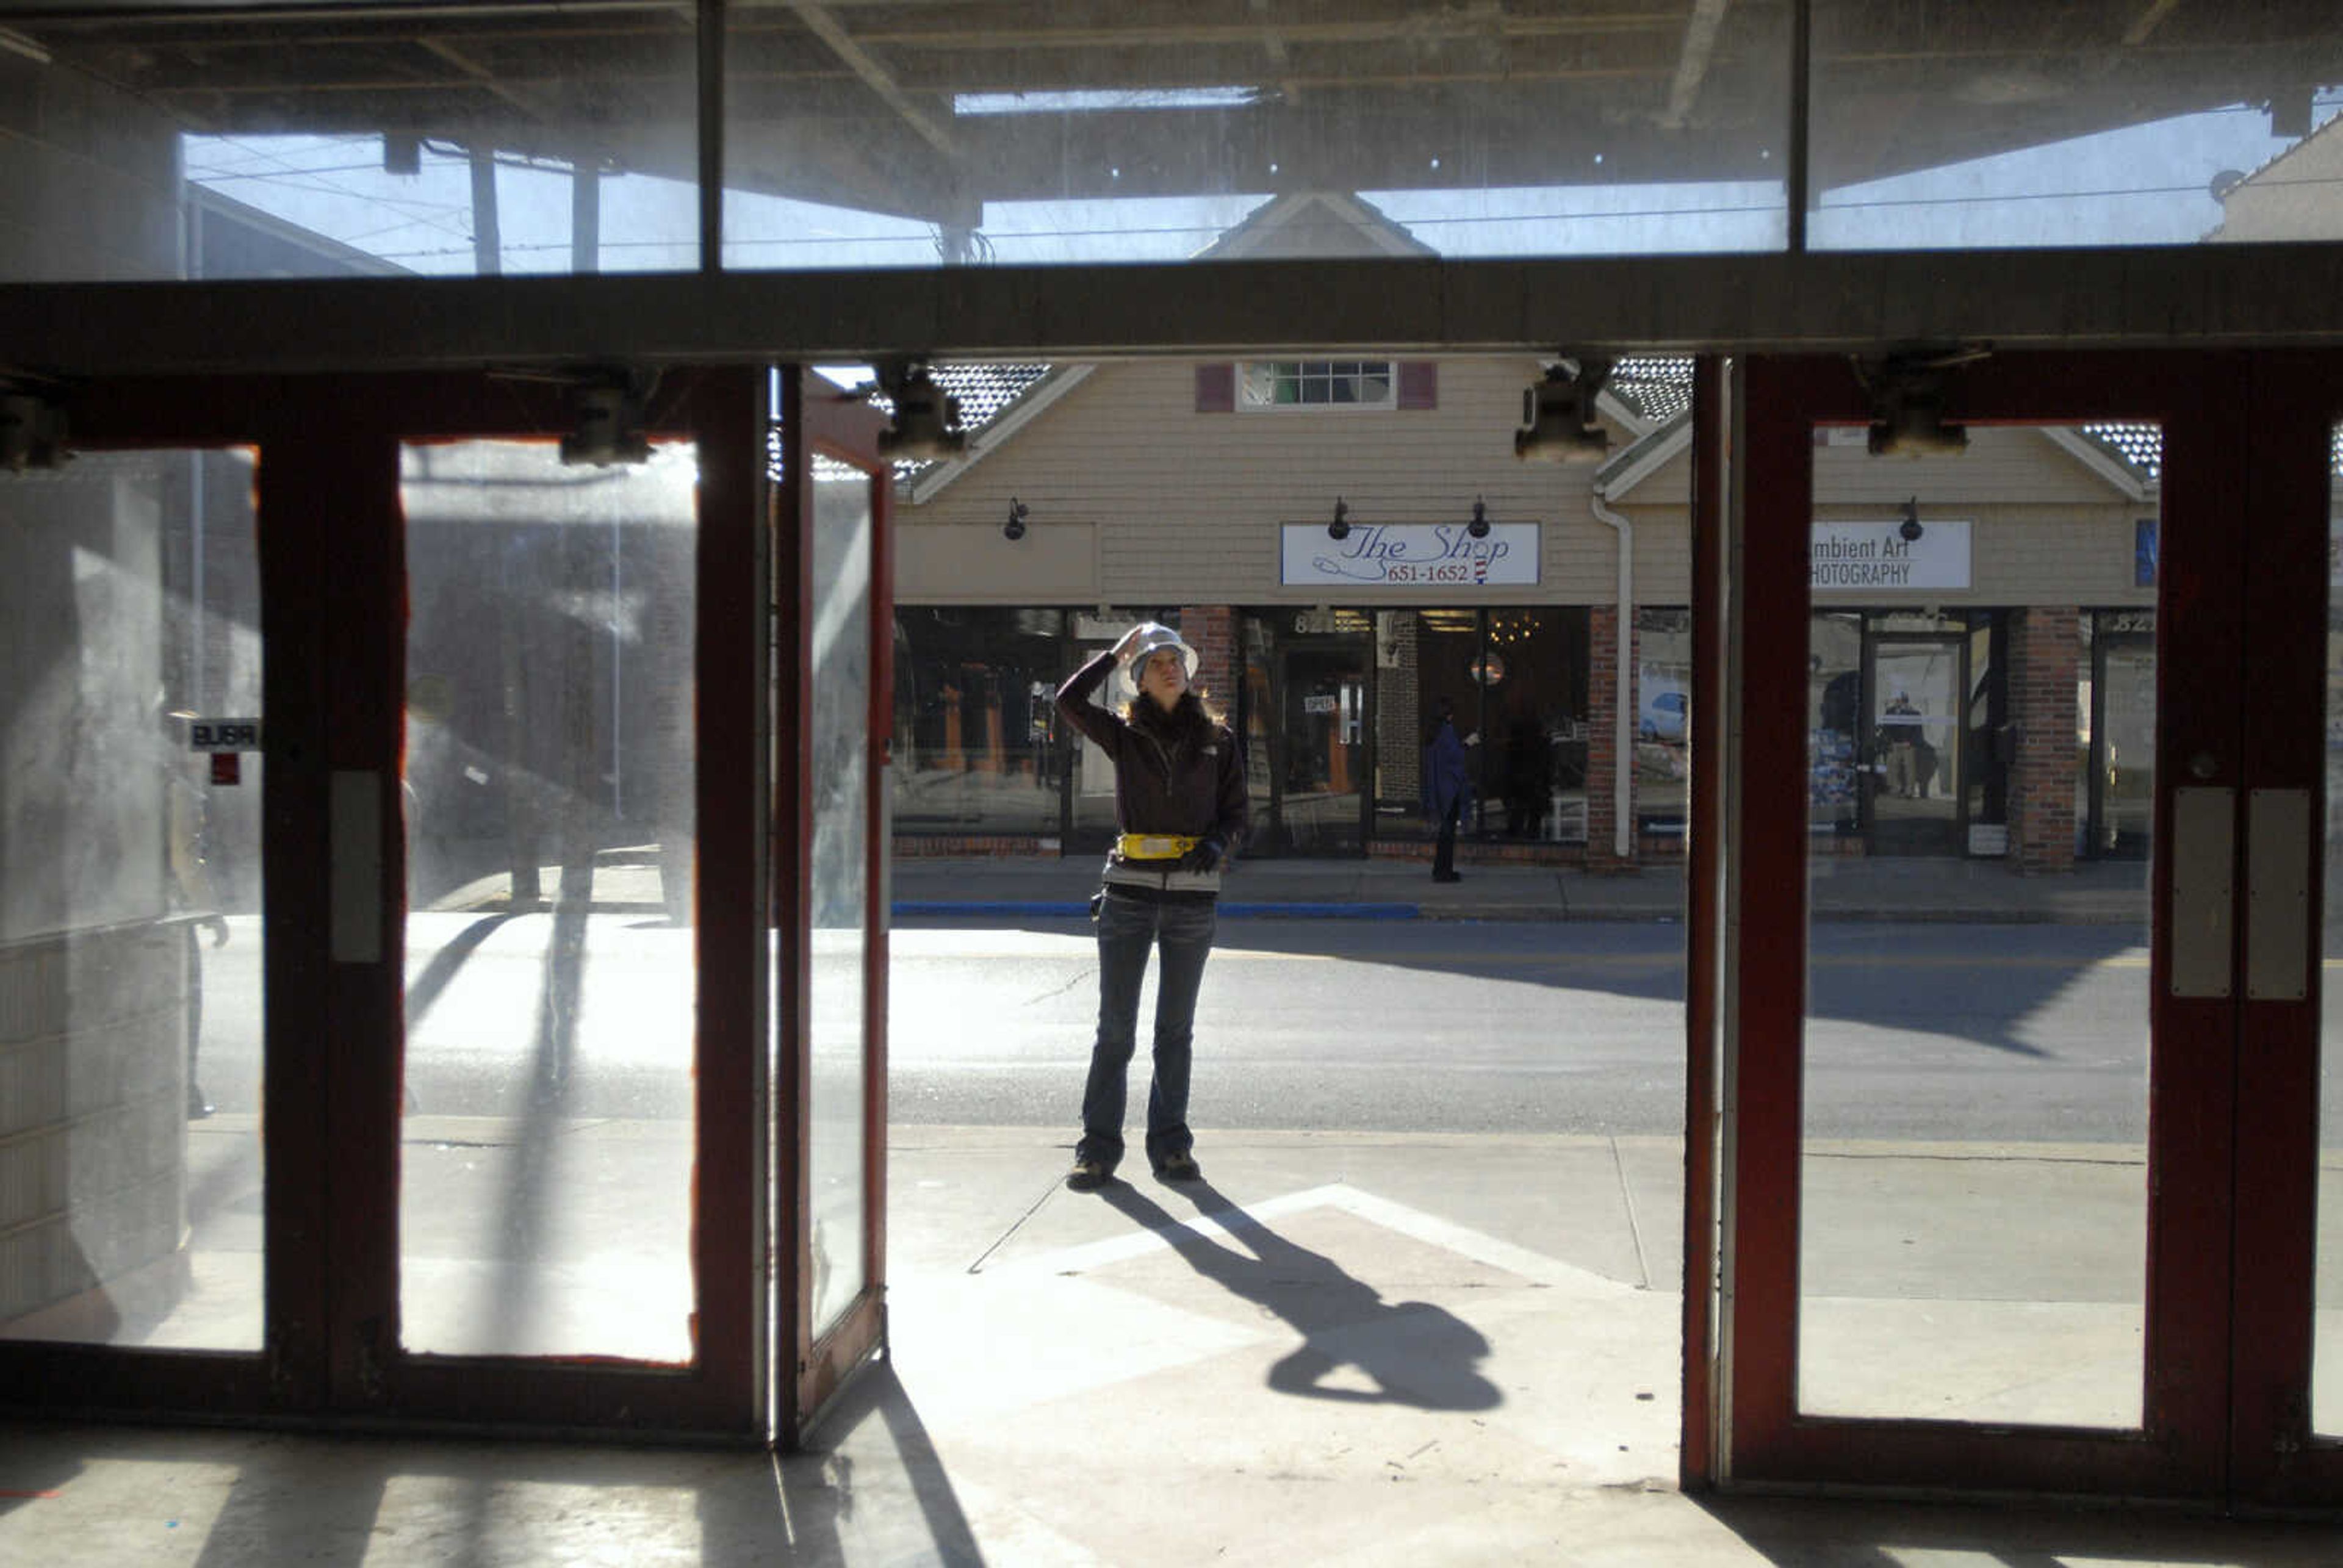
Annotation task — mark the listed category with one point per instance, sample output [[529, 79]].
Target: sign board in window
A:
[[1444, 556], [1875, 558], [224, 735]]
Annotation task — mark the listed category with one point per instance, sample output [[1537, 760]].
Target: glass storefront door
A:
[[1309, 690], [1915, 706]]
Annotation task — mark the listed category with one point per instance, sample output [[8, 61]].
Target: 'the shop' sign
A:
[[1872, 557], [1410, 555]]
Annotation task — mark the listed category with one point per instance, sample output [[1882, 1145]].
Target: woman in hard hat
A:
[[1179, 810]]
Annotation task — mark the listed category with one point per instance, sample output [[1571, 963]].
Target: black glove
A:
[[1205, 857]]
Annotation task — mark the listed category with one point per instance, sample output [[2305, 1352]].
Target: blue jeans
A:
[[1127, 928]]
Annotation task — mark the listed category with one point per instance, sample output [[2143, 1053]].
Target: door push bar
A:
[[2278, 829]]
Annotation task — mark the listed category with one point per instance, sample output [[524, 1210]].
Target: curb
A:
[[1053, 908]]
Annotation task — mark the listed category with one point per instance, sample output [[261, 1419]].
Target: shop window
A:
[[980, 751], [1663, 716], [1834, 712], [1516, 676], [1268, 384]]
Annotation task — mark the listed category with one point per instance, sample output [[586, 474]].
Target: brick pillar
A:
[[2045, 654], [1603, 806], [1211, 630]]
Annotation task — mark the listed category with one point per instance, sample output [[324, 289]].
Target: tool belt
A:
[[1153, 846]]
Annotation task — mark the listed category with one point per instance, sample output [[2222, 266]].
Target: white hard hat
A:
[[1154, 639]]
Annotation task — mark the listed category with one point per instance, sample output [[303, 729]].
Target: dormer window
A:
[[1269, 384]]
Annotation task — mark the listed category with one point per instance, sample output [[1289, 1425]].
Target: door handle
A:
[[2277, 895], [2203, 889]]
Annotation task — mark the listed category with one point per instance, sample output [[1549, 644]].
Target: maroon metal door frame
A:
[[2182, 1450], [333, 631], [2295, 403], [818, 419]]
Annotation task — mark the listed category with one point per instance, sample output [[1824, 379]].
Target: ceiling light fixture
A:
[[927, 427], [1558, 421], [1908, 391], [32, 433]]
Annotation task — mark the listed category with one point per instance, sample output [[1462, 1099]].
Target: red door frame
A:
[[2296, 404], [333, 633], [2182, 1450], [818, 419]]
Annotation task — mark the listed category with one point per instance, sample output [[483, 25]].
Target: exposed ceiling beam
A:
[[2155, 299], [1691, 62], [2148, 20], [865, 65]]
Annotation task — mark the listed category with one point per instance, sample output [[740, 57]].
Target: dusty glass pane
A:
[[840, 749], [2327, 1357], [927, 134], [1973, 1223], [355, 142], [130, 902], [1982, 127], [545, 1198]]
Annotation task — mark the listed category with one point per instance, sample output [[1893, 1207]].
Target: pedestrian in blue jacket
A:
[[1447, 789]]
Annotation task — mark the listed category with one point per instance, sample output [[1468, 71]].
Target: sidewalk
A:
[[1354, 1348], [2113, 893]]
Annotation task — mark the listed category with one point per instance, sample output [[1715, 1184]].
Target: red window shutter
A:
[[1419, 384], [1216, 388]]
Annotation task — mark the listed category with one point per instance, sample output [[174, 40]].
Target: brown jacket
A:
[[1188, 780]]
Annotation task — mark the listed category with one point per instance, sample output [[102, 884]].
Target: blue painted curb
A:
[[1057, 909]]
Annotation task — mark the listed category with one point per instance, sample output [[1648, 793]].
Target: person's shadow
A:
[[1415, 1352]]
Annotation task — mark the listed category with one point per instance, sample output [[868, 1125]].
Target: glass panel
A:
[[978, 747], [926, 133], [130, 907], [1992, 126], [210, 146], [839, 748], [1973, 1230], [1663, 722], [2326, 1355], [545, 1187]]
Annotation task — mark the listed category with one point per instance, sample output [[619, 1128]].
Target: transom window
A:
[[1317, 383]]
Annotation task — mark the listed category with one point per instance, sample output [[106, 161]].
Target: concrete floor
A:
[[1388, 1348]]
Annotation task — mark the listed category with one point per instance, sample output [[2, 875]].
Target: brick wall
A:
[[2045, 650], [1211, 630], [1602, 738]]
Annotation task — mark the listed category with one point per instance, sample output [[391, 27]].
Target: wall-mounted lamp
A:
[[1907, 402], [1479, 526], [1015, 528], [1340, 529], [1558, 418], [32, 433], [609, 432], [927, 427], [1910, 531]]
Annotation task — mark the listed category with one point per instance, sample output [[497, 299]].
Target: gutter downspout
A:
[[1623, 755]]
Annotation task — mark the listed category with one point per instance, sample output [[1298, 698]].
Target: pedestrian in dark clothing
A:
[[1447, 789], [1180, 808]]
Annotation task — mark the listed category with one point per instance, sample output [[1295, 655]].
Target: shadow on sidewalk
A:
[[1415, 1352], [1861, 1533]]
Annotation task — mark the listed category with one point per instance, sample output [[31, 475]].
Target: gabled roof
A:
[[1315, 225]]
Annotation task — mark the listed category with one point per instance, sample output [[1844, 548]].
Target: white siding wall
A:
[[1186, 506]]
